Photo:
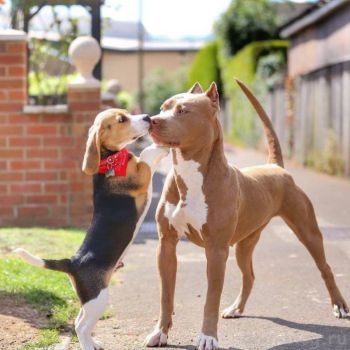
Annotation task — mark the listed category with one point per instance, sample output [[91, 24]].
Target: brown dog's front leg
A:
[[167, 266], [216, 264]]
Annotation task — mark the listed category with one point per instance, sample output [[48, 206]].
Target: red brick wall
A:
[[41, 182]]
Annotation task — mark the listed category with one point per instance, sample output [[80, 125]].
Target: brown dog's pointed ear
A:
[[196, 89], [91, 159], [213, 93]]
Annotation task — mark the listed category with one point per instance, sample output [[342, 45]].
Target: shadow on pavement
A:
[[192, 347], [332, 337]]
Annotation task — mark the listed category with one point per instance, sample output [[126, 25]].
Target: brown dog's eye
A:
[[181, 110], [122, 119]]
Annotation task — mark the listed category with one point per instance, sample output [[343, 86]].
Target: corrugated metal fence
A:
[[321, 115]]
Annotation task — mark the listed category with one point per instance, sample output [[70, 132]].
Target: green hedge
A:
[[246, 127], [205, 68]]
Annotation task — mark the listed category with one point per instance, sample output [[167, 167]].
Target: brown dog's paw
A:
[[207, 342], [341, 311], [231, 312], [156, 339]]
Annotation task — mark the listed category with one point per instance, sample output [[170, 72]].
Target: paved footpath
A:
[[289, 306]]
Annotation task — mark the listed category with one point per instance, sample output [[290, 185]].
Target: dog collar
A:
[[115, 164]]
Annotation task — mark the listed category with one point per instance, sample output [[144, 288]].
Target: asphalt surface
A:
[[289, 307]]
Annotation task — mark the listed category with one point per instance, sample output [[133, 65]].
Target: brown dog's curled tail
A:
[[63, 265], [275, 152]]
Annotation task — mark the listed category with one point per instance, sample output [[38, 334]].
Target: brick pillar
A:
[[13, 81], [13, 71], [84, 103]]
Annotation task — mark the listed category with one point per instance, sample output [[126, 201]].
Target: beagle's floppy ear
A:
[[213, 93], [92, 152], [196, 89]]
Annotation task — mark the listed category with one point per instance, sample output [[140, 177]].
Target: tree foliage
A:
[[246, 21], [22, 11]]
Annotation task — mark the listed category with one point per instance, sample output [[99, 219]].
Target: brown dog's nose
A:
[[154, 121], [146, 118]]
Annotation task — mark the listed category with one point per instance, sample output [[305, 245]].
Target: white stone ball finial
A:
[[84, 53]]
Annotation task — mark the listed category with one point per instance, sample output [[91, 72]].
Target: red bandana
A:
[[116, 164]]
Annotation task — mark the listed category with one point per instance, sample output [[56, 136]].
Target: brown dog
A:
[[216, 206]]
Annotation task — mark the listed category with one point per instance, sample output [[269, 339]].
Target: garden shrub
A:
[[246, 127], [205, 68]]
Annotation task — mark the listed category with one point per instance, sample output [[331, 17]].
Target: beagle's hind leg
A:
[[298, 213], [90, 313]]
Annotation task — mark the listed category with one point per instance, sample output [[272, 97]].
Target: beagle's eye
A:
[[122, 119]]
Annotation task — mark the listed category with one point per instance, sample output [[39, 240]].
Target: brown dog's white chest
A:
[[192, 208]]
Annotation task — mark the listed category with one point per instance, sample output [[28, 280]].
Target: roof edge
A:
[[313, 17]]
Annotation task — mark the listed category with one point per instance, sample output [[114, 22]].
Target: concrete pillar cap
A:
[[84, 53], [12, 35]]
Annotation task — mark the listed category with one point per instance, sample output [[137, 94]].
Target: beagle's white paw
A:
[[97, 345], [207, 342], [340, 312], [153, 154], [231, 312], [156, 339]]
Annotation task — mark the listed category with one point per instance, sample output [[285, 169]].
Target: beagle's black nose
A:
[[146, 118]]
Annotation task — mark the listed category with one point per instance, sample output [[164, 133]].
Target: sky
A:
[[166, 18], [174, 19]]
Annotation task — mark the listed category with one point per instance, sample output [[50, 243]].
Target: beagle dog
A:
[[122, 192]]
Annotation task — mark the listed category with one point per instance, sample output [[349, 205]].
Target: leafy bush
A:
[[271, 69], [125, 100], [246, 128], [161, 85], [41, 83], [205, 68], [246, 21]]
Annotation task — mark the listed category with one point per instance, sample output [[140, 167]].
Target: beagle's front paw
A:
[[153, 154], [207, 342], [156, 339], [163, 150]]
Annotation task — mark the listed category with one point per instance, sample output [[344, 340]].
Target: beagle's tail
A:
[[63, 265], [275, 153]]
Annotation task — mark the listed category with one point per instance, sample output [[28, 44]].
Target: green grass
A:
[[47, 291]]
